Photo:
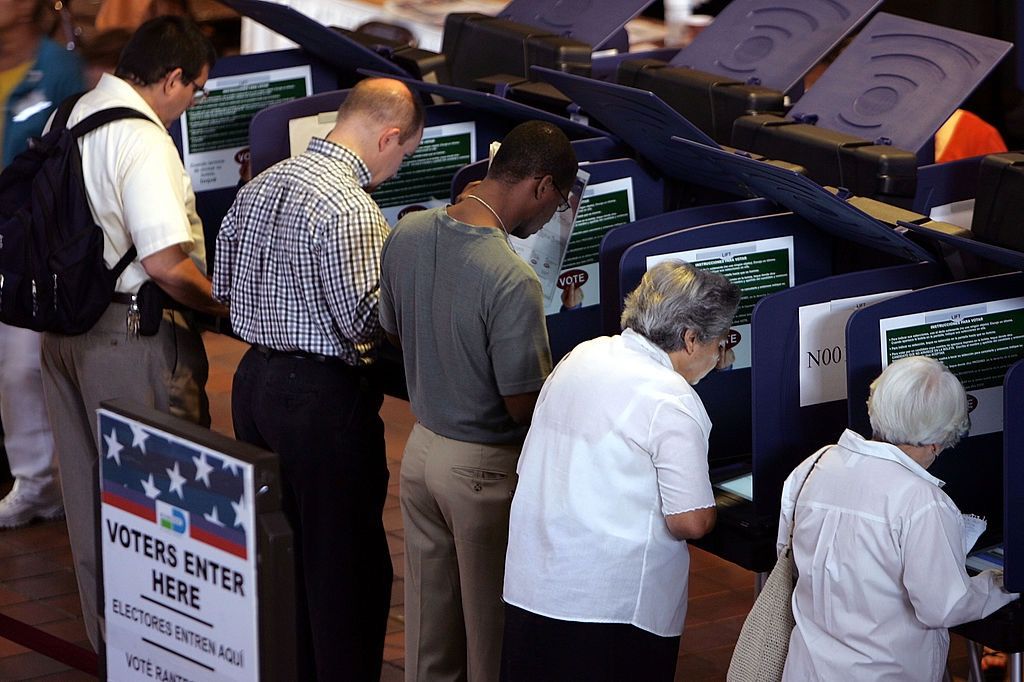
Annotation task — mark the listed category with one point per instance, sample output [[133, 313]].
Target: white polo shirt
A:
[[138, 189], [618, 441], [879, 548]]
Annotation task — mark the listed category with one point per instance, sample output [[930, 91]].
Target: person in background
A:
[[36, 75], [298, 259], [879, 547], [965, 134], [468, 314], [613, 481]]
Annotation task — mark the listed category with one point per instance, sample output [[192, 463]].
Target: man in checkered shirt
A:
[[298, 258]]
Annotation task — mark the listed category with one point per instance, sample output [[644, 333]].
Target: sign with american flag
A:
[[179, 564]]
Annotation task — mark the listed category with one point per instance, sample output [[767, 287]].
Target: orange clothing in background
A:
[[965, 135], [127, 14]]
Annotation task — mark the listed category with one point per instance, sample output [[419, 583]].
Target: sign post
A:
[[181, 545]]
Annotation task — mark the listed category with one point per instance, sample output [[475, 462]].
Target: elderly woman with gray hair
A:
[[878, 546], [613, 479]]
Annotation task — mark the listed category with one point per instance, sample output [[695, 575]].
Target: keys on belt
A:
[[133, 317]]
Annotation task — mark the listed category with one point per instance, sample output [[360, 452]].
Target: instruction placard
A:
[[823, 346], [758, 268], [978, 343], [215, 132], [179, 557]]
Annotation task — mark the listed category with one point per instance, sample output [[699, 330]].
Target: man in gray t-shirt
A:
[[469, 316]]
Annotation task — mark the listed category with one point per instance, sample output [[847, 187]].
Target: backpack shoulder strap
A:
[[124, 262], [91, 123], [60, 118], [103, 117]]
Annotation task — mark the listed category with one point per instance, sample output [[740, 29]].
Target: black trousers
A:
[[322, 421], [540, 649]]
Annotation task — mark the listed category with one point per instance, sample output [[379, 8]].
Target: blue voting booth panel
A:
[[775, 42], [213, 204], [590, 21], [341, 52], [490, 104], [1020, 53], [268, 131], [624, 110], [784, 432], [1013, 478], [807, 198], [900, 79], [974, 468], [996, 254], [646, 123], [726, 394], [605, 67], [619, 239], [939, 184], [592, 149]]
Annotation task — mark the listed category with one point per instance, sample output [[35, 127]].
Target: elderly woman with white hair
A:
[[878, 546], [613, 479]]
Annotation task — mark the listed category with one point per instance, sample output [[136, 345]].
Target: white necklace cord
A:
[[496, 217]]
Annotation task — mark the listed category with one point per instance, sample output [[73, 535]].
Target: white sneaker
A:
[[19, 508]]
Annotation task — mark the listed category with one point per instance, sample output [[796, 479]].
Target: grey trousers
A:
[[455, 498], [167, 371]]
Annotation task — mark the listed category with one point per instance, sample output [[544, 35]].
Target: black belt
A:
[[332, 360], [127, 299]]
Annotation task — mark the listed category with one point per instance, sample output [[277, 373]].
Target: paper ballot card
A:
[[545, 250], [974, 526]]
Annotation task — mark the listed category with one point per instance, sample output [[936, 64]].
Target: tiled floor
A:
[[37, 584]]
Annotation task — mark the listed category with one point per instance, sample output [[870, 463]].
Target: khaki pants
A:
[[455, 499], [167, 371]]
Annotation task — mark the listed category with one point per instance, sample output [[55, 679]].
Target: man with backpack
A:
[[140, 196]]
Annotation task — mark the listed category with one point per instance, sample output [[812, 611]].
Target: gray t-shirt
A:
[[470, 315]]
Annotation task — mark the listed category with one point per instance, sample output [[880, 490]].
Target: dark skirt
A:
[[536, 648]]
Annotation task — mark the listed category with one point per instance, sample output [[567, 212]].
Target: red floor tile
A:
[[35, 612], [43, 586], [30, 665], [9, 648]]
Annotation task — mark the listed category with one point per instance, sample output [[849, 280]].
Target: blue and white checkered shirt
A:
[[298, 256]]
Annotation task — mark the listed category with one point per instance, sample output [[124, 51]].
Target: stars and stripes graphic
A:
[[174, 483]]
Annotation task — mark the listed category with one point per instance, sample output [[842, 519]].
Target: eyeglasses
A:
[[563, 205], [199, 93]]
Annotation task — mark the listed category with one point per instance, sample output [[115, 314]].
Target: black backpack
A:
[[52, 274]]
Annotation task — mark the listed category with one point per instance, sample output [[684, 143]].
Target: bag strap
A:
[[792, 522], [125, 261], [63, 113], [86, 126], [103, 117]]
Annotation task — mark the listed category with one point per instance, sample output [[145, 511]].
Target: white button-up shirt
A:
[[618, 441], [138, 189], [879, 548]]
